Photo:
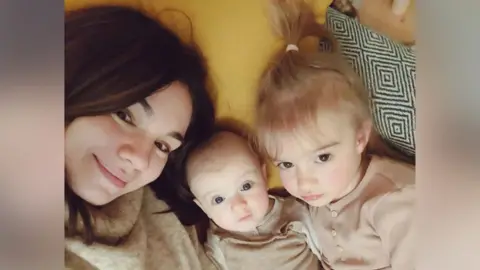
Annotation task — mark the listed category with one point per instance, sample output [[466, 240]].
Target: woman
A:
[[135, 99]]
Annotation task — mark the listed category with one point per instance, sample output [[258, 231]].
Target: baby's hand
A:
[[399, 7]]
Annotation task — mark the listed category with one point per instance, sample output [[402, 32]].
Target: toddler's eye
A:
[[285, 165], [218, 200], [324, 158], [246, 186]]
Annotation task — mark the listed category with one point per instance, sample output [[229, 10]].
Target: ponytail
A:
[[297, 83], [293, 20]]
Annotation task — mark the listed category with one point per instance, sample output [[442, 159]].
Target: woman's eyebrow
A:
[[146, 107], [149, 111], [176, 135]]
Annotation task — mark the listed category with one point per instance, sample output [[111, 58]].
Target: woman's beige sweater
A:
[[134, 236]]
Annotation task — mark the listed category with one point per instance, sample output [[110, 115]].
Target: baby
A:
[[249, 228], [314, 121]]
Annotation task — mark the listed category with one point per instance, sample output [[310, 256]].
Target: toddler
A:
[[314, 122], [249, 228]]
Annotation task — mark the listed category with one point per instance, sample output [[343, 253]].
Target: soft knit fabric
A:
[[132, 235], [371, 228], [283, 241]]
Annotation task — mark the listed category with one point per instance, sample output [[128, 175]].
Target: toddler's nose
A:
[[305, 182]]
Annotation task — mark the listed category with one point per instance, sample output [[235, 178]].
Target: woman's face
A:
[[110, 155]]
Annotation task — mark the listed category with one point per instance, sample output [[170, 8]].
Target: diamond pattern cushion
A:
[[388, 71]]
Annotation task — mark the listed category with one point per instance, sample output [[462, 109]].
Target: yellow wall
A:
[[235, 37]]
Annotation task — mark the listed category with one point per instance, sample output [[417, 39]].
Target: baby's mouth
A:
[[312, 197]]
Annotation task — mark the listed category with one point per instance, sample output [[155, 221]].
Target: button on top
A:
[[334, 233], [334, 214]]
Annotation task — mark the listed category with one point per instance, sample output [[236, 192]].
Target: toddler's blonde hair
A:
[[300, 85]]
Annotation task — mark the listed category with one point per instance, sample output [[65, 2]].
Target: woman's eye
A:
[[324, 157], [285, 165], [125, 116], [218, 200], [246, 186], [165, 148]]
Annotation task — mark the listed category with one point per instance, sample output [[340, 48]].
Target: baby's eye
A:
[[164, 147], [285, 165], [323, 158], [246, 186], [218, 200]]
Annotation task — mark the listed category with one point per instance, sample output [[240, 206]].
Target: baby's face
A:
[[230, 185]]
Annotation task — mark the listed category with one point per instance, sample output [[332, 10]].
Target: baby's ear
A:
[[197, 202]]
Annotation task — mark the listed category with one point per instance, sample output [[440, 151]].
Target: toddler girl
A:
[[314, 122]]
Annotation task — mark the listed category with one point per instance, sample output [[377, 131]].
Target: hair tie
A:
[[291, 47]]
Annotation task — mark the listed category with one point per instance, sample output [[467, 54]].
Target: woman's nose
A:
[[137, 153]]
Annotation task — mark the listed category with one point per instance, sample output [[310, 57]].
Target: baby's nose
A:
[[239, 203]]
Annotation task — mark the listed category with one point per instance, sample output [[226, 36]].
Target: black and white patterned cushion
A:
[[388, 71]]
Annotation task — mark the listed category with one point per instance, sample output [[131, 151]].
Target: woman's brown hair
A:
[[115, 57], [299, 84]]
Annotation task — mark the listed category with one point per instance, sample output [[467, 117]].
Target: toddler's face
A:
[[230, 185], [321, 164]]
